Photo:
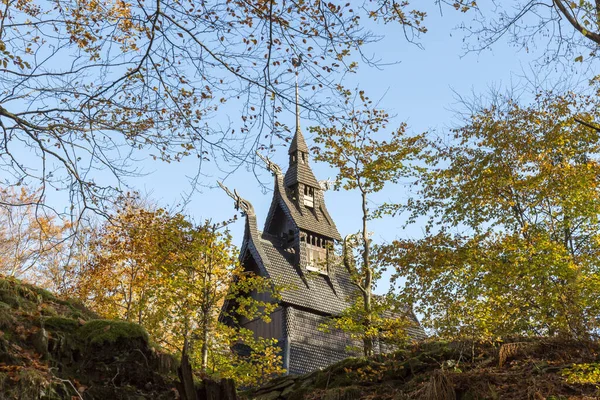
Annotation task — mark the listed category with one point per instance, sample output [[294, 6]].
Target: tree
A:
[[34, 246], [568, 29], [512, 237], [89, 85], [364, 164], [385, 320], [172, 277], [122, 272]]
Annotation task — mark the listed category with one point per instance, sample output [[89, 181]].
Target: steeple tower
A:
[[298, 142], [299, 172]]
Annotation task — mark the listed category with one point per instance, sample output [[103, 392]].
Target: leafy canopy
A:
[[512, 205], [367, 157], [173, 277]]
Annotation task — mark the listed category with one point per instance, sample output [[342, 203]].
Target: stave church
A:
[[293, 249]]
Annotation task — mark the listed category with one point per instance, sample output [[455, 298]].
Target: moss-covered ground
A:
[[52, 348], [528, 369]]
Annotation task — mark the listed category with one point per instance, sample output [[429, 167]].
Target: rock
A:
[[287, 381], [306, 383], [40, 342], [287, 391], [268, 396]]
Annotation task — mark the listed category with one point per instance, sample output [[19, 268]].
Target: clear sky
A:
[[420, 88]]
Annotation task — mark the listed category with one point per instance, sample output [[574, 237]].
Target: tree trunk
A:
[[187, 389], [204, 348], [368, 279], [367, 340]]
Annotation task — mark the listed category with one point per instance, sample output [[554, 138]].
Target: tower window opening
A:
[[309, 196], [316, 255]]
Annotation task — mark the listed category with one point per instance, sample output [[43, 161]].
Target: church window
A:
[[309, 196], [316, 256], [303, 157], [293, 158]]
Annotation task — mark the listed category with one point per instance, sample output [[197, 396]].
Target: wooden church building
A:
[[292, 249]]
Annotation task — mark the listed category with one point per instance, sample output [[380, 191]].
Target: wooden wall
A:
[[270, 330]]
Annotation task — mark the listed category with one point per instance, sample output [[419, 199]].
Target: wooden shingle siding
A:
[[325, 294], [306, 358]]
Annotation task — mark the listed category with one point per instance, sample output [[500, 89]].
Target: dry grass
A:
[[509, 350], [439, 387]]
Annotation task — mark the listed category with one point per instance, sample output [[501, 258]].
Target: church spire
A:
[[298, 142], [299, 172], [297, 104]]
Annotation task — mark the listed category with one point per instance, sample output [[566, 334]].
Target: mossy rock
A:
[[395, 371], [9, 297], [35, 293], [102, 331], [351, 363], [347, 393], [6, 356], [60, 324], [47, 309], [29, 294], [30, 384], [112, 359], [279, 383], [327, 379], [78, 309], [298, 394], [7, 318]]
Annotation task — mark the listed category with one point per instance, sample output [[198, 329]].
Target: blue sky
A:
[[420, 86]]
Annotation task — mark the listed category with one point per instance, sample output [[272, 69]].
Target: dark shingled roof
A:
[[325, 294], [316, 220], [300, 172], [307, 357], [298, 142], [321, 293]]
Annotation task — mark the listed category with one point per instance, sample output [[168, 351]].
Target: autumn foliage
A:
[[512, 207], [366, 159], [36, 245], [172, 277]]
